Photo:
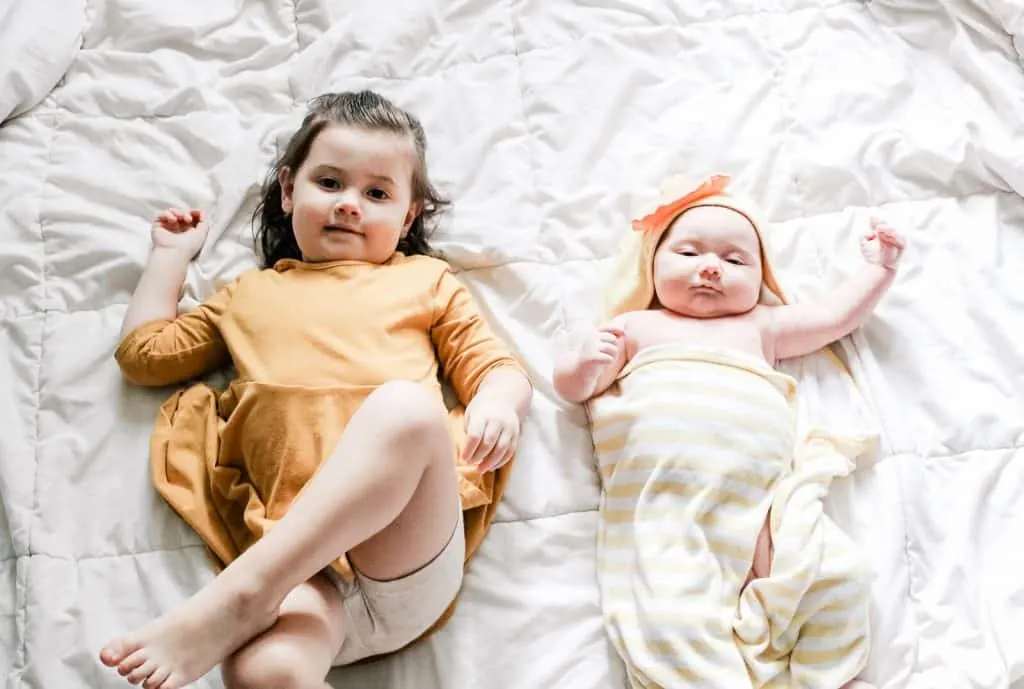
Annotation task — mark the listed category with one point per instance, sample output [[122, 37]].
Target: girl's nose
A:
[[348, 203]]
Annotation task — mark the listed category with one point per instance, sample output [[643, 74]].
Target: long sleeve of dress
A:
[[466, 347], [165, 352]]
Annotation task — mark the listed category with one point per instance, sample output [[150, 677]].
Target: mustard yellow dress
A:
[[309, 342]]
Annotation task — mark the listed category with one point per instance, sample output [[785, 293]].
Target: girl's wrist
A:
[[166, 254]]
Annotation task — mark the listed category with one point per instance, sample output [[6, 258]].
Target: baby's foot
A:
[[182, 646]]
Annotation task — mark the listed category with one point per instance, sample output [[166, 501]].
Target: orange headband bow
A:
[[666, 213]]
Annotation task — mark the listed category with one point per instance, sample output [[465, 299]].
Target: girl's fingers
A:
[[496, 463], [473, 433], [502, 453], [490, 437], [488, 460]]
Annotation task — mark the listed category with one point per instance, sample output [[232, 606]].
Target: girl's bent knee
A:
[[267, 666], [409, 410]]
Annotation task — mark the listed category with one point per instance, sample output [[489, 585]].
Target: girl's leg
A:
[[296, 653], [390, 483]]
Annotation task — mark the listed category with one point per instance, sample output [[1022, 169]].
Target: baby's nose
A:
[[711, 269]]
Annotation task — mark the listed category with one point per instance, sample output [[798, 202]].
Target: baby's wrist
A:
[[880, 266], [881, 274]]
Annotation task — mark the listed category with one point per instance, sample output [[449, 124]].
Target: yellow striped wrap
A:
[[695, 446]]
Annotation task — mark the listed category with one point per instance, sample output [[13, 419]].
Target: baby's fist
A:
[[603, 347], [882, 245]]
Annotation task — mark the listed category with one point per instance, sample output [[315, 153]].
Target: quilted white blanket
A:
[[544, 117]]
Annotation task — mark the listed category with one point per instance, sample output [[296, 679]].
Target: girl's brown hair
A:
[[366, 110]]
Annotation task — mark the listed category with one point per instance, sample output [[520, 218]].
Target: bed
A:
[[547, 120]]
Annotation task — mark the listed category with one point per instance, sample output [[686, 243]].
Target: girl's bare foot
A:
[[182, 646]]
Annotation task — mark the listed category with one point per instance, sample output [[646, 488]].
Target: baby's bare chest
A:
[[655, 328]]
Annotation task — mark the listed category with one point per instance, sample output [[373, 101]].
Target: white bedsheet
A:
[[38, 41], [544, 116]]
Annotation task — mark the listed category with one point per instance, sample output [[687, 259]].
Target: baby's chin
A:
[[706, 307]]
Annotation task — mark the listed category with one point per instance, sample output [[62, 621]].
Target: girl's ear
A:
[[287, 182], [410, 217]]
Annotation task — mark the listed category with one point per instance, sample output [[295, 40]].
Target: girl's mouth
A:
[[339, 229]]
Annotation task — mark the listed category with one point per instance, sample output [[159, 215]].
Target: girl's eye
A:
[[734, 261], [687, 252], [328, 183], [377, 194]]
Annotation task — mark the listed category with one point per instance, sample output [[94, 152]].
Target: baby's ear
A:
[[287, 182], [415, 208]]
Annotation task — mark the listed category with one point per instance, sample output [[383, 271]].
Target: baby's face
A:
[[708, 264]]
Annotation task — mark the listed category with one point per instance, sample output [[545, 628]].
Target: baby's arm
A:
[[158, 347], [799, 329], [586, 370]]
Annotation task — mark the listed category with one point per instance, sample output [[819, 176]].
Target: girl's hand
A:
[[180, 231], [882, 245], [492, 433]]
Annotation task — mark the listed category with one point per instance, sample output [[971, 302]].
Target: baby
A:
[[717, 564]]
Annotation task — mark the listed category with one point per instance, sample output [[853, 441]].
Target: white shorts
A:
[[383, 616]]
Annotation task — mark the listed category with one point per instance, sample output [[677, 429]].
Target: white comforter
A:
[[544, 118]]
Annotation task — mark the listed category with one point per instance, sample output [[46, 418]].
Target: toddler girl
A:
[[329, 477]]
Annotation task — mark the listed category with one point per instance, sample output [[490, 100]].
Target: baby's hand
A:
[[583, 368], [599, 351], [602, 348], [179, 231], [882, 245]]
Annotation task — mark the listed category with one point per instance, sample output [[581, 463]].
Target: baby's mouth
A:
[[705, 287]]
